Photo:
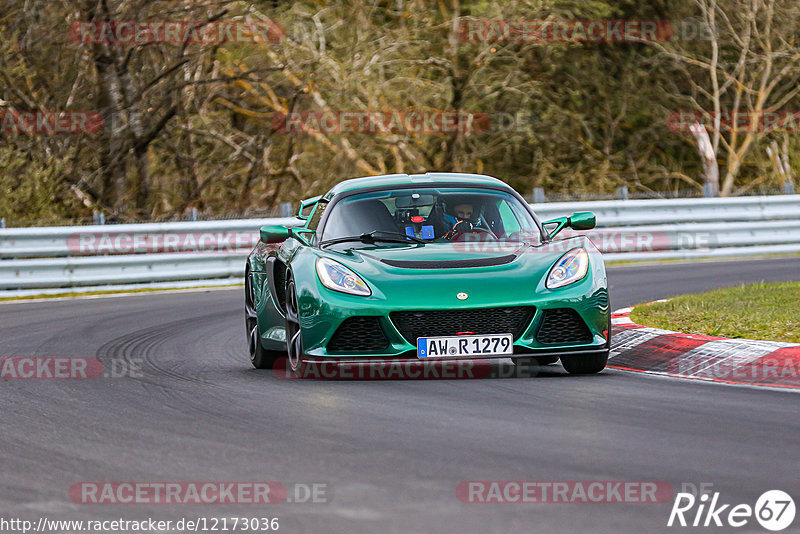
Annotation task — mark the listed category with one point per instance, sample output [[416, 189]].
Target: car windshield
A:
[[431, 215]]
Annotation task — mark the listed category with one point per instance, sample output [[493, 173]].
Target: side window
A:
[[319, 209], [305, 212], [508, 218]]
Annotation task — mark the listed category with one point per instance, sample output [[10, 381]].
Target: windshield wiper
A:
[[382, 235], [376, 235]]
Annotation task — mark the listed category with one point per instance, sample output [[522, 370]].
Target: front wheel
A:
[[585, 364], [294, 340]]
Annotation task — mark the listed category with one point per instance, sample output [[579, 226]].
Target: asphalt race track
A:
[[392, 453]]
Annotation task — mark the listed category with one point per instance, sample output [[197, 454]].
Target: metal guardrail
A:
[[665, 211], [628, 230], [140, 238]]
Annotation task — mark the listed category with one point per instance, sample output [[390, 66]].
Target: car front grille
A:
[[359, 334], [432, 323], [563, 325]]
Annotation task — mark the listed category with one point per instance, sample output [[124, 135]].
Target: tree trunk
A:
[[708, 157]]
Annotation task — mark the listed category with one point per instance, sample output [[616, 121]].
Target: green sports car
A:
[[429, 267]]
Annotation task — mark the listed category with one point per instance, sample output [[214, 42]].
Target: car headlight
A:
[[570, 268], [336, 276]]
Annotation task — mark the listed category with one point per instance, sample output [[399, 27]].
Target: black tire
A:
[[294, 339], [585, 364], [259, 357]]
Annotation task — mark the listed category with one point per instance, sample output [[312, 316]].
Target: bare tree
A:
[[748, 64]]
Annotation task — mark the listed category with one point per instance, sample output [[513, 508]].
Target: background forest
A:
[[198, 124]]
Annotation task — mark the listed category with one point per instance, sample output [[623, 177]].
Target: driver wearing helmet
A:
[[463, 216]]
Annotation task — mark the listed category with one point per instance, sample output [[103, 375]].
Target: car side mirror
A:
[[582, 220], [275, 233]]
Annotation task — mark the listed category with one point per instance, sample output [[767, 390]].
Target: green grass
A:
[[75, 294], [755, 311]]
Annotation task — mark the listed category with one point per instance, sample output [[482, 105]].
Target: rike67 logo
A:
[[774, 510]]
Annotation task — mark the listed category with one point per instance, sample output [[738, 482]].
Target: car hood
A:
[[442, 255], [496, 274]]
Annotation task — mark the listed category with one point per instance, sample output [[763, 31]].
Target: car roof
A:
[[427, 179]]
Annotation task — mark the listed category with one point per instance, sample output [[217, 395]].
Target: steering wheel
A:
[[464, 227]]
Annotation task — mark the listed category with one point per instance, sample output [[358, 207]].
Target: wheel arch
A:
[[268, 297]]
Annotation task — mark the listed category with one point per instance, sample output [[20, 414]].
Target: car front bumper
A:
[[326, 322]]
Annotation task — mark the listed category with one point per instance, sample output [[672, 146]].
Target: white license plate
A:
[[472, 346]]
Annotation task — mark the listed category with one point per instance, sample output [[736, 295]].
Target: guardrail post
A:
[[286, 209], [191, 214], [99, 217], [788, 188], [2, 222], [708, 190], [622, 192], [538, 195]]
